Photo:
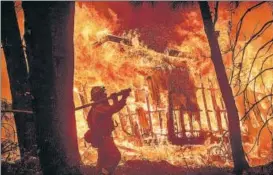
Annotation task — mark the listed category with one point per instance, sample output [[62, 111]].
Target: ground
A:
[[140, 167]]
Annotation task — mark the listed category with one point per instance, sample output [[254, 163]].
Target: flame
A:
[[117, 66], [120, 66]]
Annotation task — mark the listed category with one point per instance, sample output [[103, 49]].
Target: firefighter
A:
[[101, 125]]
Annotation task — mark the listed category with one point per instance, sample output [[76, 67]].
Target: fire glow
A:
[[142, 55], [119, 65]]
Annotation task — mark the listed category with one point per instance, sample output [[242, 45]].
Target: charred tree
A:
[[18, 77], [50, 27], [238, 155]]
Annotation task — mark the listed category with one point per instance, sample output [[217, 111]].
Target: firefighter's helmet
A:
[[96, 92]]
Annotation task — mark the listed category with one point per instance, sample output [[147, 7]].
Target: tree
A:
[[18, 76], [240, 162], [50, 27]]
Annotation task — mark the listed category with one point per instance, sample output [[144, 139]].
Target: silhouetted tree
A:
[[238, 155], [49, 40], [18, 77]]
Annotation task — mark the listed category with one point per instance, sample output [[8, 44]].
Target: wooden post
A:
[[197, 114], [175, 124], [190, 120], [160, 121], [131, 120], [223, 108], [149, 114], [182, 122], [216, 108], [121, 119], [138, 134], [205, 104], [189, 112], [170, 119]]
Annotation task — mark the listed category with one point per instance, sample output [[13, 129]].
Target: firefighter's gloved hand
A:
[[126, 93], [114, 96]]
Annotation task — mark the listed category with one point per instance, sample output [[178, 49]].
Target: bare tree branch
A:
[[259, 133], [239, 25], [260, 73], [257, 102]]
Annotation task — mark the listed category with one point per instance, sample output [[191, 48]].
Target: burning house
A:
[[175, 111], [175, 100], [164, 109]]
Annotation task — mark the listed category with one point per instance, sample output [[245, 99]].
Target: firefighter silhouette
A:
[[101, 126]]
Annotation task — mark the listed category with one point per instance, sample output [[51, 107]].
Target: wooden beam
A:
[[149, 114], [216, 108], [205, 104], [130, 119], [182, 122]]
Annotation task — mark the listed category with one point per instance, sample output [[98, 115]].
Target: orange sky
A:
[[5, 90]]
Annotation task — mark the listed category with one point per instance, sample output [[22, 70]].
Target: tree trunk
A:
[[240, 162], [50, 43], [18, 77]]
